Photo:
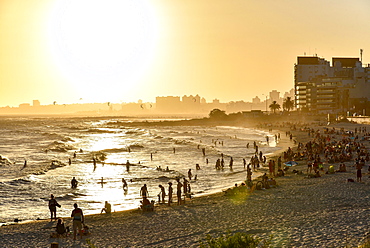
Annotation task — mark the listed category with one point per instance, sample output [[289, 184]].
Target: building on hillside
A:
[[324, 89]]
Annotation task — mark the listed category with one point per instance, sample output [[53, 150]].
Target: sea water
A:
[[47, 144]]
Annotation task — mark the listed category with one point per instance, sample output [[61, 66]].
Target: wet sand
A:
[[300, 212]]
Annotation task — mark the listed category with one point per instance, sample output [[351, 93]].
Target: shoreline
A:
[[283, 144], [299, 212]]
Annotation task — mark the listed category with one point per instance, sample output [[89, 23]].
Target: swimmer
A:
[[124, 184]]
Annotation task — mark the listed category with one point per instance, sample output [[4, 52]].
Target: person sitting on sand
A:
[[107, 208], [264, 177], [342, 168], [60, 228], [146, 205], [317, 174], [280, 173]]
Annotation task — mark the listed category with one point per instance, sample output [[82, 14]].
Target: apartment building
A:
[[322, 88]]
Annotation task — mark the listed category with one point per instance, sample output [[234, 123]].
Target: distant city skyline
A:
[[191, 104], [120, 51]]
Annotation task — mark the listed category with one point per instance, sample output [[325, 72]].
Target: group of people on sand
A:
[[76, 215], [329, 146], [183, 190]]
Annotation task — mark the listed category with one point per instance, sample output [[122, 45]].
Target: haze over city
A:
[[122, 51]]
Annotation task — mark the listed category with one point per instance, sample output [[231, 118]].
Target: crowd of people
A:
[[325, 147]]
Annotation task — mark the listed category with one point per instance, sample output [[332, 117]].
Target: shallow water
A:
[[24, 191]]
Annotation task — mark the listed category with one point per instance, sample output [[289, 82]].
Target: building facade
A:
[[331, 89]]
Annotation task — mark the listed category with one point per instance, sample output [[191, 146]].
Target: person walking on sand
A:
[[359, 172], [53, 204], [144, 191], [78, 220], [178, 193], [170, 192]]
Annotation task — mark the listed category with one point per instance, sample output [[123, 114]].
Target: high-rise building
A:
[[321, 88]]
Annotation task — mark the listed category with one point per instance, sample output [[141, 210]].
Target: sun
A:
[[103, 47]]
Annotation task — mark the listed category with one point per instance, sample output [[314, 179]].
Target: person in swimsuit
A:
[[78, 219]]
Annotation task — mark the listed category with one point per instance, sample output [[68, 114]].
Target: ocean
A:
[[47, 144]]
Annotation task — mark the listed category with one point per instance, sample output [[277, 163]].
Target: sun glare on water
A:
[[103, 47]]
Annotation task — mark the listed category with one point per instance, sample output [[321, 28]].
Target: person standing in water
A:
[[144, 191], [74, 183], [190, 175], [124, 184], [162, 194], [128, 166]]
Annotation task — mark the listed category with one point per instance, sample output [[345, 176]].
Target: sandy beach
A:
[[300, 212]]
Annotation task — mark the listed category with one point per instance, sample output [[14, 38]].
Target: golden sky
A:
[[75, 51]]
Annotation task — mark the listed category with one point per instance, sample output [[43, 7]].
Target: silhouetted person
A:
[[144, 191], [107, 208], [170, 192], [124, 184], [190, 175], [74, 183], [162, 194], [78, 220], [178, 193], [53, 204]]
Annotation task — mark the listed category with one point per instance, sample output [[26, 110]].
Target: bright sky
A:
[[76, 51]]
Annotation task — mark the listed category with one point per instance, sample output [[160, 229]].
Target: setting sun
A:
[[99, 46]]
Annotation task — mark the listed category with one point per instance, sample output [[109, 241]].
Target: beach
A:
[[299, 212]]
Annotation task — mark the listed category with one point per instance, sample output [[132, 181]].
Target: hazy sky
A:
[[76, 51]]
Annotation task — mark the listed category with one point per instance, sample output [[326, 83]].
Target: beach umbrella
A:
[[291, 163]]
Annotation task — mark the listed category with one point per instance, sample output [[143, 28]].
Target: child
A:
[[60, 228]]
